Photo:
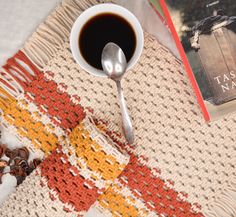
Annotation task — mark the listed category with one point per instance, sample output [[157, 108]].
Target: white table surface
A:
[[20, 18]]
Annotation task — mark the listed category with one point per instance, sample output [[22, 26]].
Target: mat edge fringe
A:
[[50, 37]]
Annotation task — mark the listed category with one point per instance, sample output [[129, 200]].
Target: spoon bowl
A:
[[113, 61]]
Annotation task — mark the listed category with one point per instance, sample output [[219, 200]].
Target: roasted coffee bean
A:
[[17, 152], [29, 170], [23, 153], [2, 149], [19, 166], [1, 174], [3, 164], [17, 171], [19, 179], [24, 164], [19, 162], [35, 163], [9, 153]]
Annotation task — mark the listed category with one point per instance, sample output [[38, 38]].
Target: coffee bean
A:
[[3, 164], [1, 174], [2, 149], [18, 164], [23, 153], [35, 163], [19, 179], [9, 153]]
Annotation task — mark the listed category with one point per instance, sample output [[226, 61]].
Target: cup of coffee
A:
[[102, 24]]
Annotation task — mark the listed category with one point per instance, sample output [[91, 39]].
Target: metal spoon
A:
[[114, 64]]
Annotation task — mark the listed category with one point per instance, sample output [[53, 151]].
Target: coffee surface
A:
[[102, 29]]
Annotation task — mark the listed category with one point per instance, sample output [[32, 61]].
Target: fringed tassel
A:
[[15, 75], [225, 204], [54, 32]]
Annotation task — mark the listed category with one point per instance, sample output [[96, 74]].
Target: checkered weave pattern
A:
[[178, 166], [51, 123]]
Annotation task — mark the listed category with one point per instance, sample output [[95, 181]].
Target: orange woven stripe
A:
[[92, 153], [116, 203], [29, 128]]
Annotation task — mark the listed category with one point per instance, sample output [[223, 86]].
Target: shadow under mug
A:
[[94, 11]]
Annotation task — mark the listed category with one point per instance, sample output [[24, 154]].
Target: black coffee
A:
[[102, 29]]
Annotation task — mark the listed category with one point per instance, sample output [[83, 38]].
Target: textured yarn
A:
[[179, 165], [49, 122]]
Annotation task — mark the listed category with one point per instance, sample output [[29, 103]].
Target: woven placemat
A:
[[179, 165]]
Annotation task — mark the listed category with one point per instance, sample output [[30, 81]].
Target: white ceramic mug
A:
[[94, 11]]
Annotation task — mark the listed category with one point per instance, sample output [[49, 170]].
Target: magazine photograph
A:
[[207, 32]]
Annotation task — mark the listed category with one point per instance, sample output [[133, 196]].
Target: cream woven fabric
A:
[[169, 128], [170, 132]]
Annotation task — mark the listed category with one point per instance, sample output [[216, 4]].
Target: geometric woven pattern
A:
[[179, 165]]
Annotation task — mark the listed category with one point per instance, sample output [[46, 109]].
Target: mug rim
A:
[[94, 11]]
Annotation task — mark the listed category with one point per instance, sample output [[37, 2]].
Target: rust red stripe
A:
[[46, 94], [73, 190], [153, 190], [54, 102]]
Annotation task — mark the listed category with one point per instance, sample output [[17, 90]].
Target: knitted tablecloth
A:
[[178, 166]]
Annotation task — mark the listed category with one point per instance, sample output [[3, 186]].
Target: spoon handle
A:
[[127, 125]]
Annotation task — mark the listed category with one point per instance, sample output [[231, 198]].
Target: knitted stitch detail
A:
[[29, 125], [97, 168], [34, 199], [32, 107], [134, 190], [26, 111], [195, 160], [65, 111], [170, 131], [70, 183]]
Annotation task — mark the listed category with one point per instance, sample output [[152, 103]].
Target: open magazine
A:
[[205, 34]]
